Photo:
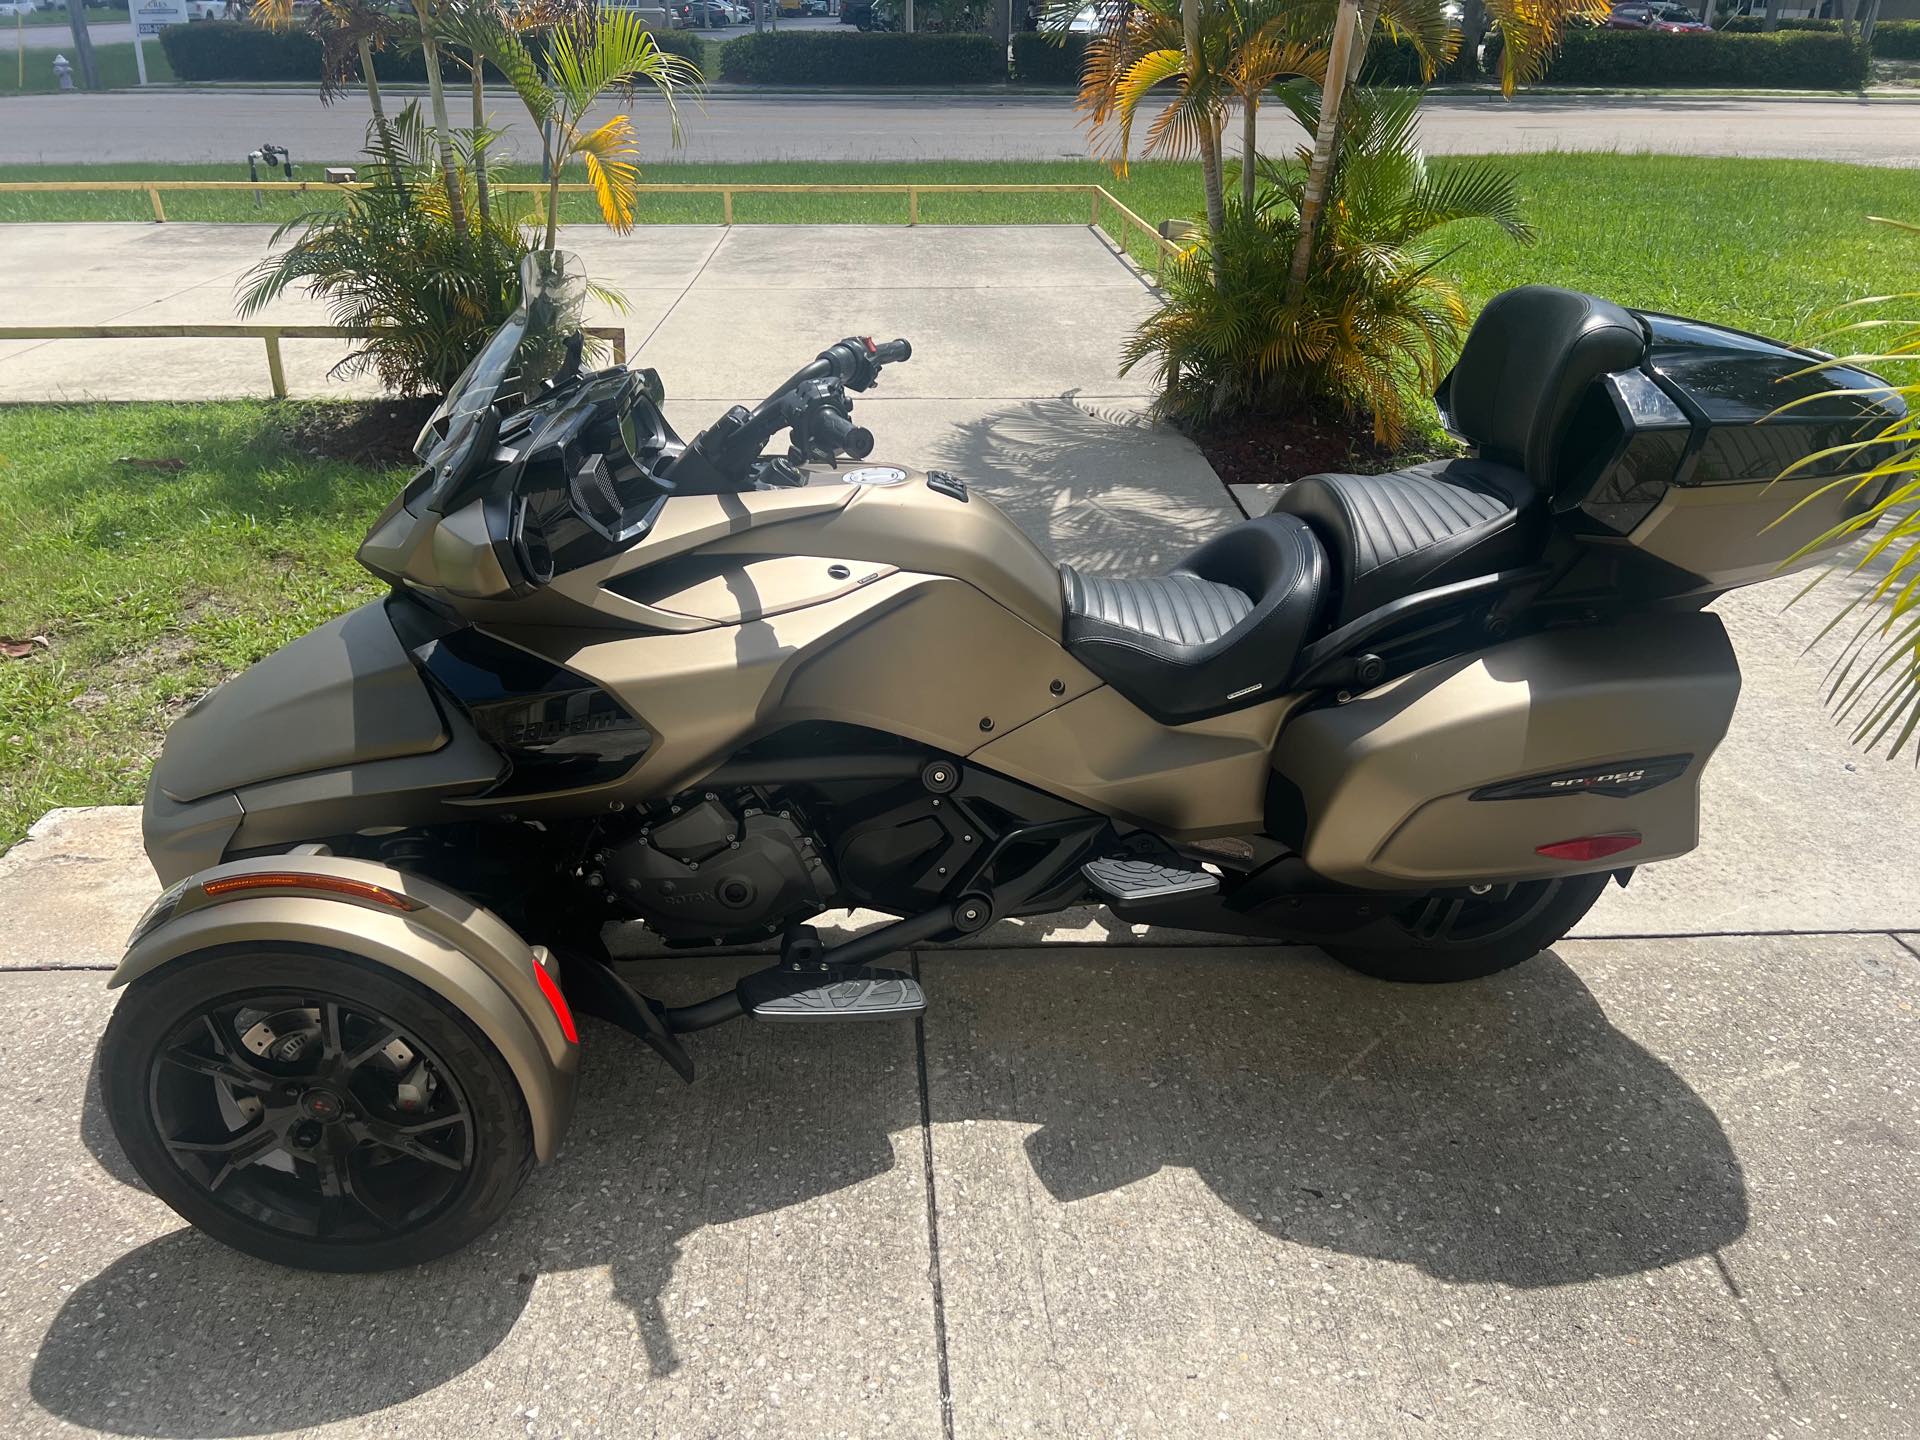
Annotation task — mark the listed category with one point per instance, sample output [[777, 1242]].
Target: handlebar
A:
[[812, 401]]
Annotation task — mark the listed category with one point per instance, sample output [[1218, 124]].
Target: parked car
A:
[[207, 10], [1669, 18], [706, 13], [12, 9]]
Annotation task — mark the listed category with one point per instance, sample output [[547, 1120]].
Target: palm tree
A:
[[1531, 30], [579, 66], [1219, 54], [427, 16], [1378, 322], [1875, 681]]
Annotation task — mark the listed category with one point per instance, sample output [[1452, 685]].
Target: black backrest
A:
[[1528, 360]]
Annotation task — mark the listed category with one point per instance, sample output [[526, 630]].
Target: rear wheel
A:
[[1440, 940], [312, 1109]]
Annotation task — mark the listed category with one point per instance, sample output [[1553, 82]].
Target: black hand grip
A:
[[831, 428], [892, 353]]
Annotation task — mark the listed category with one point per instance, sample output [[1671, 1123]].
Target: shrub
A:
[[684, 43], [1377, 325], [813, 57], [1897, 40], [390, 259], [1048, 59], [229, 50], [1786, 60], [1396, 62]]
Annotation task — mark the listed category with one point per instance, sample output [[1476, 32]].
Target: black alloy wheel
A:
[[325, 1115], [1441, 939]]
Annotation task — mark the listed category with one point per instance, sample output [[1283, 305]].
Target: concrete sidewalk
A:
[[1662, 1181]]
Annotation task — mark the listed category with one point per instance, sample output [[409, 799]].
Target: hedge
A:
[[1786, 60], [1048, 59], [814, 57], [1892, 39], [231, 50]]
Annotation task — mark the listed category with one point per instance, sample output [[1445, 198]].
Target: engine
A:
[[709, 871]]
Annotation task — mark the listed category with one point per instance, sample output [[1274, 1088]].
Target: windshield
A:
[[520, 357]]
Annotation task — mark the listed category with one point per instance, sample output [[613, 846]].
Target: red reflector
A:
[[296, 880], [561, 1011], [1588, 847]]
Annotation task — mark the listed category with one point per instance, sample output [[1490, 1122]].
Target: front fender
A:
[[434, 936]]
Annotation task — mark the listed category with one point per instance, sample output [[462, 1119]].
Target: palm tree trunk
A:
[[1249, 150], [1369, 19], [1869, 17], [551, 163], [371, 80], [482, 198], [1773, 15], [1209, 144], [1473, 30], [1314, 196], [443, 137]]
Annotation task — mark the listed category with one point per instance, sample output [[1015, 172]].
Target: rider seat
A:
[[1224, 628], [1219, 631]]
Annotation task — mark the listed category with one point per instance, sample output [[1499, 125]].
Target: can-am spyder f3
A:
[[1417, 719]]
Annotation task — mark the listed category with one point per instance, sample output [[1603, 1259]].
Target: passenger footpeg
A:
[[1134, 879], [807, 987]]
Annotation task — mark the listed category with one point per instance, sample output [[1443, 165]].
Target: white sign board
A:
[[150, 17]]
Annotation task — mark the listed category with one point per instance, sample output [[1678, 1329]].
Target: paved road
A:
[[184, 125], [60, 37]]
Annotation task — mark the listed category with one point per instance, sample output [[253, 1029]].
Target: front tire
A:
[[313, 1109], [1439, 942]]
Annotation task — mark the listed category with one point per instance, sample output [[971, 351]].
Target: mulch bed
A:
[[1269, 449], [372, 432]]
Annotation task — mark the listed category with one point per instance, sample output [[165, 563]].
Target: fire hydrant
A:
[[63, 71]]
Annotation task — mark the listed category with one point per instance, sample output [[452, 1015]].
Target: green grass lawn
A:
[[150, 584], [117, 68]]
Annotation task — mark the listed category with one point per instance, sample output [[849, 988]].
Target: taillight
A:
[[1588, 847]]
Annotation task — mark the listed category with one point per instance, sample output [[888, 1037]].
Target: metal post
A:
[[276, 372], [159, 210]]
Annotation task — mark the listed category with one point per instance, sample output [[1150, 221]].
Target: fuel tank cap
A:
[[875, 475]]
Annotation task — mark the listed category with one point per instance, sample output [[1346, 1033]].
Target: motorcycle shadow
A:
[[1498, 1132]]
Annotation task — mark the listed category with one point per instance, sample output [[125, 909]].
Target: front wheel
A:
[[313, 1109], [1439, 940]]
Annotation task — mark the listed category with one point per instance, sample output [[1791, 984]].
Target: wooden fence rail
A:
[[271, 334], [1097, 196]]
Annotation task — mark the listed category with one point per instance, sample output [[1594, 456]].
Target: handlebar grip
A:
[[837, 430], [892, 353]]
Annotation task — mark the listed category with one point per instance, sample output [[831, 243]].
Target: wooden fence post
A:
[[159, 210], [276, 372]]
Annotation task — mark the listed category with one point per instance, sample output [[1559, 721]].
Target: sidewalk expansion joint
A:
[[933, 1218]]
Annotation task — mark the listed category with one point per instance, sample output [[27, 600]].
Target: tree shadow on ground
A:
[[1500, 1132]]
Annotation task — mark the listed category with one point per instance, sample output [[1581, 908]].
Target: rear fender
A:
[[434, 936]]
